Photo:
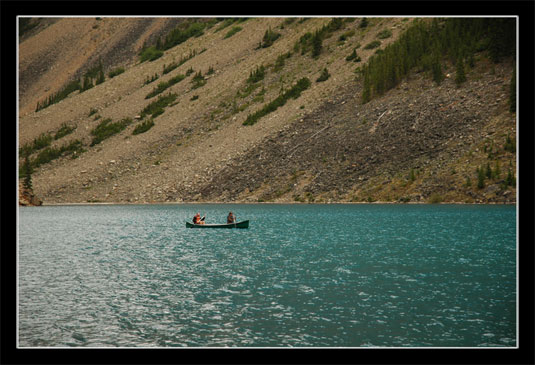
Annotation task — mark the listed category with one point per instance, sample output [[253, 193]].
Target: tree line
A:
[[429, 44]]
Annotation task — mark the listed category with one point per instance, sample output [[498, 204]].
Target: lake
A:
[[333, 275]]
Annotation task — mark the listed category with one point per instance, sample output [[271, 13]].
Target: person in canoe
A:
[[231, 218], [197, 219]]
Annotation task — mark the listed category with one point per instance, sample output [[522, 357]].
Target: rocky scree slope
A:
[[419, 142]]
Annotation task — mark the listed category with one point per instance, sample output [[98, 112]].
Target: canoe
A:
[[242, 224]]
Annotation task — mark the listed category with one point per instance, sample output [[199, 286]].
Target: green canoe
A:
[[243, 224]]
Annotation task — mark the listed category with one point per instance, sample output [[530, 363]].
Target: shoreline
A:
[[269, 203]]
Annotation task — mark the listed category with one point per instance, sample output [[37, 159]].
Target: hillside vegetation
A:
[[268, 110]]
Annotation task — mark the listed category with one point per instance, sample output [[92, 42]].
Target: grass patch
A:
[[293, 92]]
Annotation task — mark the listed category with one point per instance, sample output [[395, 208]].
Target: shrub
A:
[[150, 54], [62, 94], [269, 37], [157, 107], [198, 80], [353, 56], [324, 75], [256, 75], [106, 129], [150, 79], [373, 44], [232, 31], [115, 72], [143, 127], [435, 198], [162, 86], [178, 35], [63, 131], [346, 35], [52, 153], [384, 34], [279, 63], [294, 93]]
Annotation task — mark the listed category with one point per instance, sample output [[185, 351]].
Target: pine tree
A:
[[100, 78], [316, 44], [480, 178], [26, 171], [460, 76]]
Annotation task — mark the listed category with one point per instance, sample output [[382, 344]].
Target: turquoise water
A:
[[300, 276]]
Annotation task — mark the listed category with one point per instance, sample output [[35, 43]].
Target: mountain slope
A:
[[419, 142]]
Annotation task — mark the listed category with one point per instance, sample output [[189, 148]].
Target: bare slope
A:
[[322, 146]]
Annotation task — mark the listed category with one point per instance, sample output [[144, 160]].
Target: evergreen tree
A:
[[316, 44], [100, 78], [488, 172], [460, 76], [26, 171], [480, 178]]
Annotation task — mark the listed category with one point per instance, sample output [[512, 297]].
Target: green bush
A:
[[353, 56], [324, 75], [294, 93], [157, 107], [52, 153], [150, 54], [232, 31], [115, 72], [435, 198], [384, 34], [106, 129], [373, 44], [256, 75], [198, 81], [63, 131], [143, 127], [269, 38], [62, 94], [150, 79], [38, 143], [162, 86], [181, 34]]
